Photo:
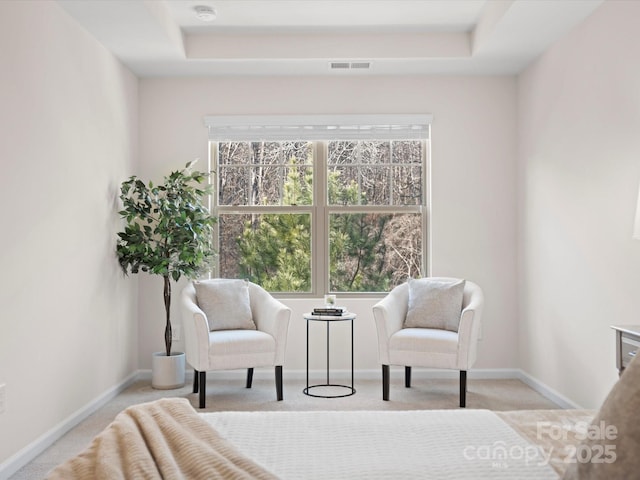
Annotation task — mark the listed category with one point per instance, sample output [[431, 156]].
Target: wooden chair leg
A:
[[195, 381], [279, 394], [202, 387], [249, 377], [463, 388], [407, 377], [385, 382]]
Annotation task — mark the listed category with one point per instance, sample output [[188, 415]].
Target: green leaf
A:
[[167, 228]]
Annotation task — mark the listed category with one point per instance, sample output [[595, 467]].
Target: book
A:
[[329, 311]]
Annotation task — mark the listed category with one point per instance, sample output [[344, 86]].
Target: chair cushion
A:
[[610, 449], [424, 340], [424, 347], [434, 303], [231, 349], [226, 304]]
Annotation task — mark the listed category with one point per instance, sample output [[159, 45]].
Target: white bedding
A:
[[433, 444]]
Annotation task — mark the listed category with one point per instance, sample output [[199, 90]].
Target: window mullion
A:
[[214, 180], [320, 222], [392, 172], [426, 206]]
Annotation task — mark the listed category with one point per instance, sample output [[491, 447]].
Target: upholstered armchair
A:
[[408, 336], [232, 324]]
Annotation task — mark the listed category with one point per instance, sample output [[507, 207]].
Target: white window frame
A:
[[279, 128]]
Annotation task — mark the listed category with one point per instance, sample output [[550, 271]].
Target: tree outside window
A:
[[317, 217]]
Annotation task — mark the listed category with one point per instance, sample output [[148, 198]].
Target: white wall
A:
[[69, 135], [474, 176], [579, 164]]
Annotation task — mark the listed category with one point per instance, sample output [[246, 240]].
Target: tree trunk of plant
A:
[[167, 306]]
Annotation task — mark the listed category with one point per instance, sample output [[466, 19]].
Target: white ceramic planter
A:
[[168, 372]]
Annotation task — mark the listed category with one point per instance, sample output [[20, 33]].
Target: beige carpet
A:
[[231, 395]]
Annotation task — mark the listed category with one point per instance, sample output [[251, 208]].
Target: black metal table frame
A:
[[328, 320]]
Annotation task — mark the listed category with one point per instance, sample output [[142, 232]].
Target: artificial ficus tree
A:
[[168, 230]]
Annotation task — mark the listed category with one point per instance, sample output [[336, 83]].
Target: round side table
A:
[[347, 317]]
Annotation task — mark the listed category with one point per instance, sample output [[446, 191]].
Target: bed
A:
[[463, 444], [169, 439]]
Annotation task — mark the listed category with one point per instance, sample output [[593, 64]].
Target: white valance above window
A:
[[318, 127]]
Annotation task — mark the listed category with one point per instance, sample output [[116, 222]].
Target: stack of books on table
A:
[[330, 311]]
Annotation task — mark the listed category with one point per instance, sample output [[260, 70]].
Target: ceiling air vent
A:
[[350, 65]]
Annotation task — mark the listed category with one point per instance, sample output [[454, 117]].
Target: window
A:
[[316, 216]]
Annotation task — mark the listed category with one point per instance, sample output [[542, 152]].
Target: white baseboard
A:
[[478, 374], [35, 448], [547, 391], [375, 374], [417, 373], [475, 374], [363, 374], [503, 373]]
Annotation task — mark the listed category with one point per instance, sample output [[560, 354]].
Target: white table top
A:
[[344, 316]]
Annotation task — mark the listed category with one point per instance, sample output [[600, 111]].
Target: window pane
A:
[[373, 252], [233, 185], [272, 250], [407, 185], [374, 185], [265, 173], [358, 152], [375, 152], [268, 153], [298, 153], [359, 185], [342, 187], [266, 185], [407, 151], [298, 186], [341, 153], [234, 153], [361, 173]]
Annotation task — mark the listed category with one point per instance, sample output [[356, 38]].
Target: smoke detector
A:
[[205, 13]]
